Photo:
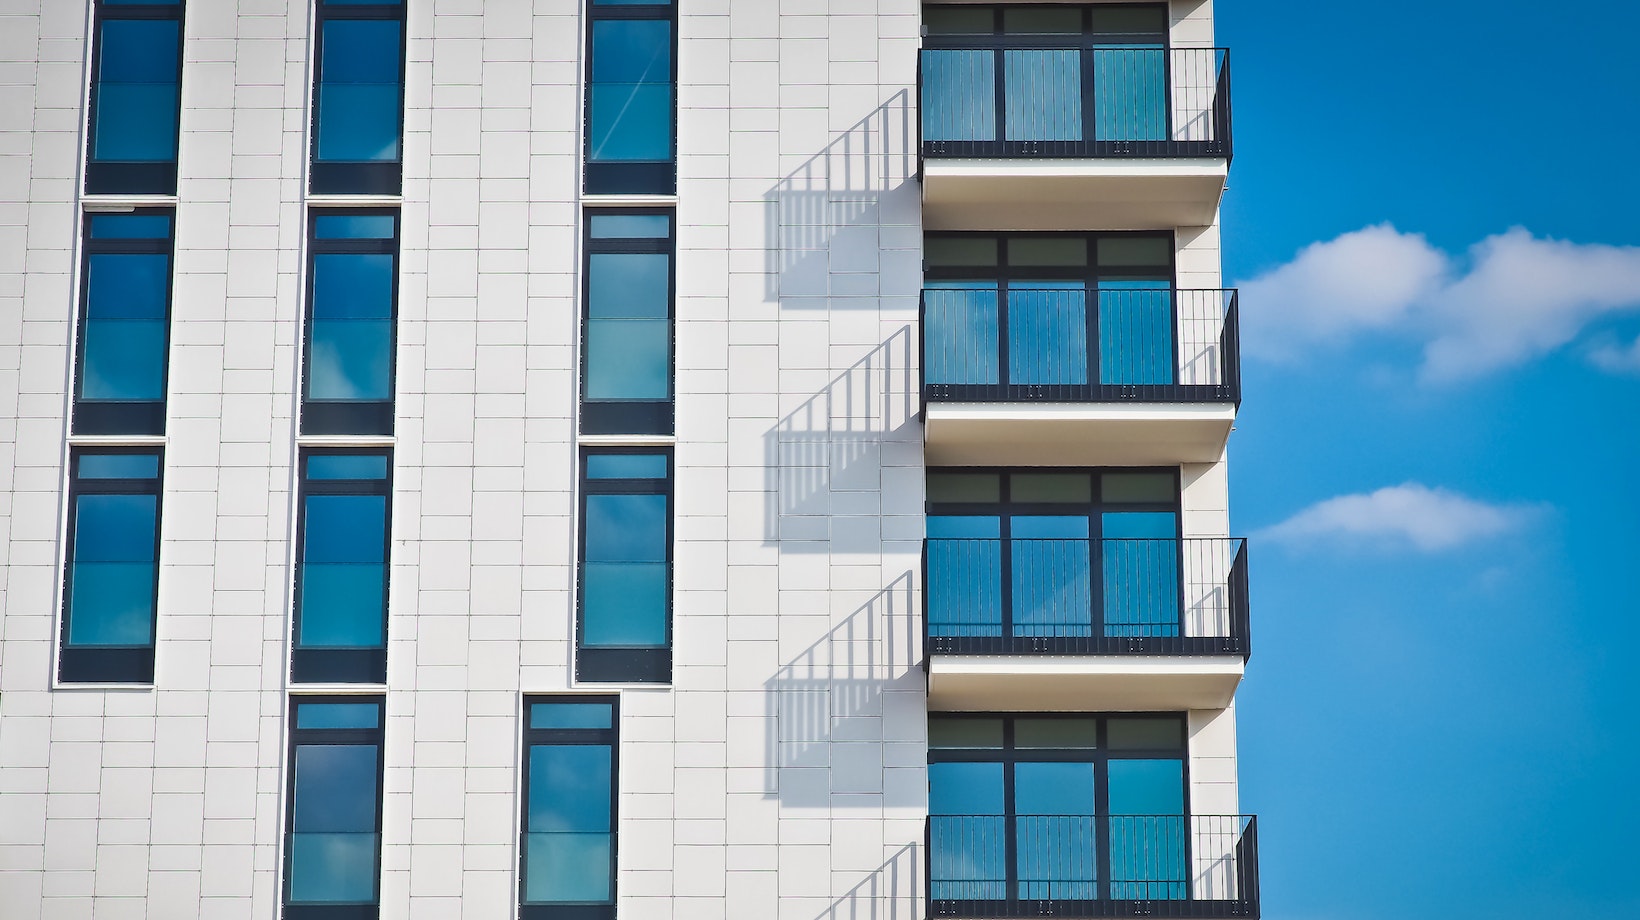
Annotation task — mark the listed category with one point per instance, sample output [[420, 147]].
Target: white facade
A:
[[782, 772]]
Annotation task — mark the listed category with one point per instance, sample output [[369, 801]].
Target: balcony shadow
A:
[[823, 461], [892, 891], [826, 720], [823, 220]]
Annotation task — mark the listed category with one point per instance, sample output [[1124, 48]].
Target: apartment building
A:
[[617, 458]]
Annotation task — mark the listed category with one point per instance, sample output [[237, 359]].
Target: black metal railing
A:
[[1051, 97], [1085, 597], [1005, 344], [1203, 866]]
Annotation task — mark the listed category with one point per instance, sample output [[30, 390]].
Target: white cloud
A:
[[1409, 514], [1512, 298]]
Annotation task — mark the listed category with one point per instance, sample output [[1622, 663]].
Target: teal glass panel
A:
[[626, 466], [1055, 841], [572, 715], [130, 227], [629, 227], [136, 104], [967, 832], [960, 335], [959, 95], [347, 466], [358, 105], [354, 227], [964, 575], [623, 604], [127, 300], [629, 359], [1141, 573], [113, 571], [1130, 93], [1147, 829], [333, 824], [1043, 94], [338, 715], [118, 466], [1136, 333], [350, 352], [630, 95], [343, 589], [567, 833], [1052, 583], [1047, 333]]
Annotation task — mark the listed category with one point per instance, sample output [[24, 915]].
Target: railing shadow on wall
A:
[[892, 891], [831, 693], [822, 221], [834, 443]]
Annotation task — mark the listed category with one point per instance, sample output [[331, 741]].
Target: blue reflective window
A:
[[569, 807], [627, 351], [1052, 813], [111, 577], [631, 92], [624, 623], [627, 466], [631, 100], [124, 336], [360, 77], [135, 99], [572, 715], [341, 568], [352, 305], [334, 827]]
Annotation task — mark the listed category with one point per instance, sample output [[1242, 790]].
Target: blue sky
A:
[[1436, 453]]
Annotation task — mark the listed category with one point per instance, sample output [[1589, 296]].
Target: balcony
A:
[[1119, 625], [1000, 866], [1116, 377], [1046, 132]]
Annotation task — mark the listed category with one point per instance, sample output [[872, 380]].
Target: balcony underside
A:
[[1071, 194], [1067, 434], [1040, 683]]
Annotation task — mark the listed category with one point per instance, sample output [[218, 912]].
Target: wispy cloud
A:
[[1410, 514], [1511, 298]]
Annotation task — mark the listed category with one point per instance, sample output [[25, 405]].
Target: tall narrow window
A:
[[568, 853], [626, 372], [334, 815], [125, 323], [111, 580], [347, 385], [625, 623], [136, 85], [631, 111], [341, 567], [358, 97]]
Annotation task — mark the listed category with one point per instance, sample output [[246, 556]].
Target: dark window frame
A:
[[533, 737], [104, 664], [1024, 39], [630, 416], [350, 177], [1005, 509], [351, 417], [116, 177], [625, 664], [351, 664], [638, 177], [1100, 755], [300, 736], [122, 417], [1004, 271]]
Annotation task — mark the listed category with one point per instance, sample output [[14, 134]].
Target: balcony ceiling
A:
[[976, 683], [972, 194], [1062, 434]]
